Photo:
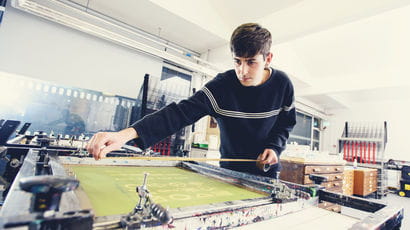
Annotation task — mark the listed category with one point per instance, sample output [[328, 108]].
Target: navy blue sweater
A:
[[250, 119]]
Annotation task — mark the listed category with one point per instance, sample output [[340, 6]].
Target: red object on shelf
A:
[[344, 151], [369, 145], [361, 152], [351, 151], [355, 151]]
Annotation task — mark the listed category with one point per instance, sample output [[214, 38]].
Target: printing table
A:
[[251, 199]]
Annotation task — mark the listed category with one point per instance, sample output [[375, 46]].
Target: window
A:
[[63, 112], [306, 131]]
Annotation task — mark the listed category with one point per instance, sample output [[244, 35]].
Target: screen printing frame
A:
[[17, 202], [216, 215]]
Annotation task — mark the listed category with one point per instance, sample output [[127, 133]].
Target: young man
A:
[[253, 105]]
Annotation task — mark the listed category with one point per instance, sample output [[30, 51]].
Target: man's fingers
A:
[[265, 157], [262, 157], [274, 158], [97, 153], [269, 159], [107, 149], [96, 143]]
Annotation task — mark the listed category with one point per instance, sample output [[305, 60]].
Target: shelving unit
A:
[[364, 144]]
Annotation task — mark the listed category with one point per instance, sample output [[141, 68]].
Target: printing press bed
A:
[[121, 193]]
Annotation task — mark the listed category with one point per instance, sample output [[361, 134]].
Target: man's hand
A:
[[104, 142], [267, 157]]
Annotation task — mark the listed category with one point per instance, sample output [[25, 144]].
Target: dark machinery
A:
[[405, 182], [146, 213], [36, 197]]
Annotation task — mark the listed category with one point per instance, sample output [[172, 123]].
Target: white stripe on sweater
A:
[[237, 114]]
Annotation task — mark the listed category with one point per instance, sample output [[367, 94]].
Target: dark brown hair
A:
[[250, 39]]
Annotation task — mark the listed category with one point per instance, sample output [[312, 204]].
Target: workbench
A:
[[251, 199]]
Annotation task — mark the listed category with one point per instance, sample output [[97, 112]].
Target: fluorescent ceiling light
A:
[[68, 14]]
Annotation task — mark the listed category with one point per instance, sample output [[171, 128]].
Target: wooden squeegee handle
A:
[[180, 159]]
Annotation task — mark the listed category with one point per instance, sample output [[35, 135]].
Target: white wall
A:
[[396, 113], [373, 51], [34, 47]]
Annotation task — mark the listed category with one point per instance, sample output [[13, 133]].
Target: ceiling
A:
[[337, 53]]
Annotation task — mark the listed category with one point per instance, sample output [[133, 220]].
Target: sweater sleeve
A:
[[284, 124], [173, 117]]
